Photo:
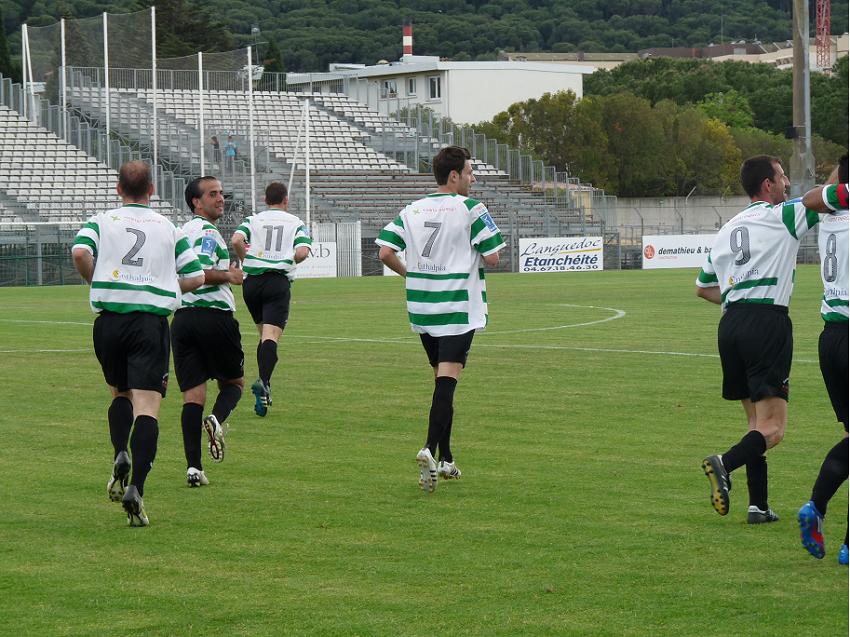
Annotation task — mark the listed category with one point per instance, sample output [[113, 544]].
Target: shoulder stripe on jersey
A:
[[193, 266], [437, 277], [91, 225], [86, 242], [488, 245], [393, 238], [470, 203], [450, 318], [428, 296], [704, 277], [115, 285], [788, 218], [303, 241]]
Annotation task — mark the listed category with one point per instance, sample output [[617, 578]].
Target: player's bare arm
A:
[[84, 263], [390, 259], [233, 275], [491, 260], [711, 294], [301, 253], [240, 247], [188, 284]]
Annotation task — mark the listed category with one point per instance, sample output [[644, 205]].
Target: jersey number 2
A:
[[140, 241]]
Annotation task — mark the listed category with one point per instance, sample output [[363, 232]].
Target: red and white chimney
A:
[[407, 38]]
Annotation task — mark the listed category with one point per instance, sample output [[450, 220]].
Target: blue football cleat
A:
[[843, 556], [811, 529], [262, 397]]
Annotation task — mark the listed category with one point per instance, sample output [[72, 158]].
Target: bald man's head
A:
[[134, 181]]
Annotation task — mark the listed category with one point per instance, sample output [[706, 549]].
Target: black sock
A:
[[757, 482], [441, 411], [833, 473], [266, 359], [120, 417], [751, 446], [225, 403], [190, 420], [143, 447]]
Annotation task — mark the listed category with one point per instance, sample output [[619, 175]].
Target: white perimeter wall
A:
[[477, 95]]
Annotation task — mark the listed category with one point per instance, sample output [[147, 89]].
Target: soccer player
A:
[[270, 244], [833, 354], [446, 238], [205, 334], [137, 263], [750, 272]]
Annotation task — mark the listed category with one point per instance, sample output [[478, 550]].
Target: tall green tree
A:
[[7, 69]]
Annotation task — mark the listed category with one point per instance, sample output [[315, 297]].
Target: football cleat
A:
[[120, 475], [757, 516], [427, 470], [718, 478], [215, 434], [448, 471], [811, 529], [843, 556], [196, 477], [134, 507], [262, 397]]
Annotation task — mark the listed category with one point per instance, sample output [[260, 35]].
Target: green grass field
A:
[[582, 509]]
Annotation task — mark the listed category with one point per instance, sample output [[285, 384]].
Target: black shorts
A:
[[132, 350], [832, 352], [206, 345], [755, 343], [447, 349], [267, 297]]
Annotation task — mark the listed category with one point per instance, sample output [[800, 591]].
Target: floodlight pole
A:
[[251, 132], [25, 47], [200, 110], [802, 161], [153, 88], [63, 82], [307, 161], [106, 86]]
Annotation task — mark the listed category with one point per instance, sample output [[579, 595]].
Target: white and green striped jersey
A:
[[272, 237], [139, 255], [211, 250], [443, 237], [833, 244], [754, 256]]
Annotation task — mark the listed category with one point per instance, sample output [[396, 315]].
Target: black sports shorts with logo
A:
[[206, 344], [755, 343], [267, 297], [133, 350], [832, 352], [447, 349]]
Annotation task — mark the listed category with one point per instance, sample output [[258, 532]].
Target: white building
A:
[[466, 92]]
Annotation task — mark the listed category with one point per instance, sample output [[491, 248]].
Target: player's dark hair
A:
[[843, 177], [755, 170], [276, 192], [134, 177], [193, 190], [448, 159]]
